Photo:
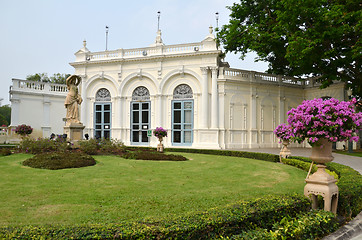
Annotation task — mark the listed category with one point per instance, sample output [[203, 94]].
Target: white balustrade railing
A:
[[242, 75], [147, 51], [38, 87]]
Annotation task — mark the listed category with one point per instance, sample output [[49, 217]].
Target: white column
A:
[[83, 106], [222, 110], [214, 99], [204, 98], [15, 109], [253, 137], [159, 112], [116, 110], [281, 110]]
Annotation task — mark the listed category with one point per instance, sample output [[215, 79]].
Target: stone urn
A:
[[160, 145], [284, 152], [320, 182], [322, 151]]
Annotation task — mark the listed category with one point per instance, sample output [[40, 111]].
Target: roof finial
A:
[[84, 43], [158, 20], [210, 29], [217, 20]]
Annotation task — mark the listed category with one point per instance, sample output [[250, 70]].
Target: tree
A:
[[5, 115], [43, 77], [310, 38]]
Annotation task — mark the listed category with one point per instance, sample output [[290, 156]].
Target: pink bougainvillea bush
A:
[[159, 132], [331, 119], [283, 132], [23, 130]]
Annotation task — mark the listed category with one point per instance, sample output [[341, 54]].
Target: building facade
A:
[[184, 88]]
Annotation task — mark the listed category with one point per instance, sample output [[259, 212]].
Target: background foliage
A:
[[319, 38]]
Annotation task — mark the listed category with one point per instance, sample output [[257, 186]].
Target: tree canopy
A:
[[310, 38], [5, 115], [43, 77]]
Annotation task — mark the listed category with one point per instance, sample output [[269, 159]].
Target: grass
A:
[[118, 189], [354, 153]]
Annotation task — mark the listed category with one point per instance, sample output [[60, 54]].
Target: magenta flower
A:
[[283, 132], [159, 132], [331, 119], [23, 130]]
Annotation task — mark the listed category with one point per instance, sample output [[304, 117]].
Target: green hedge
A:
[[229, 220], [61, 160], [253, 155], [5, 152], [350, 190], [349, 184], [310, 225]]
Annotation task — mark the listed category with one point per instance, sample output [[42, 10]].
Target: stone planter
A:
[[284, 152], [322, 151], [320, 182], [160, 145]]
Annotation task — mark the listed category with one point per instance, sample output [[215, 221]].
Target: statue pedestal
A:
[[321, 183], [74, 131]]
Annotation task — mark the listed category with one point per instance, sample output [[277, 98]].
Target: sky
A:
[[41, 36]]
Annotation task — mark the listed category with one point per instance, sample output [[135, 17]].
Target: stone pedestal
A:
[[321, 183], [160, 146], [285, 152], [74, 131]]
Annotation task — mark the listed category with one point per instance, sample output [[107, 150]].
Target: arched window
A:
[[103, 95], [182, 91], [182, 115], [102, 114], [140, 116], [141, 94]]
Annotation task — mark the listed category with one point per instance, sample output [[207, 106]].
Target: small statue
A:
[[73, 99]]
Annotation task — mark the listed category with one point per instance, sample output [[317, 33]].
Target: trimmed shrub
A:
[[350, 190], [5, 152], [152, 155], [349, 184], [299, 164], [310, 225], [54, 161], [101, 146], [90, 146], [229, 220], [253, 155], [41, 145]]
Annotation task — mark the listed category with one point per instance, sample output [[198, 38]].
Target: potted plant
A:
[[322, 122], [23, 130], [160, 133], [284, 133]]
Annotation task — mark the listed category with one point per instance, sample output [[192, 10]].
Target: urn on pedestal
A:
[[160, 133], [322, 122]]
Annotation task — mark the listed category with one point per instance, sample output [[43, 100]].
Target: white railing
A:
[[4, 131], [38, 87], [242, 75], [147, 51]]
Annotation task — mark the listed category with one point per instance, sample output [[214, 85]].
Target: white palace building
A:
[[184, 88]]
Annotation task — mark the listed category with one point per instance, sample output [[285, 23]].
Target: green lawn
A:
[[354, 153], [118, 189]]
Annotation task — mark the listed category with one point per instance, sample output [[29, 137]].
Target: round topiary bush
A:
[[148, 154], [58, 160]]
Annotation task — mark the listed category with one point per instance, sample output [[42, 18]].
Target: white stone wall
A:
[[40, 105], [233, 108]]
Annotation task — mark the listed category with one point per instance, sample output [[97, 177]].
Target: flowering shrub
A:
[[23, 130], [41, 145], [159, 132], [283, 132], [330, 119]]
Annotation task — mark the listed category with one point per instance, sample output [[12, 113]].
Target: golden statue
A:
[[73, 99]]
